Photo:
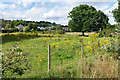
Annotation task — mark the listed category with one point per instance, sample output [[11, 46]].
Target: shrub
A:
[[14, 30], [14, 62], [26, 29], [53, 28], [32, 30], [106, 33]]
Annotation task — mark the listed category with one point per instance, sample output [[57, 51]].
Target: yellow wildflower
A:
[[80, 53], [38, 63], [89, 47]]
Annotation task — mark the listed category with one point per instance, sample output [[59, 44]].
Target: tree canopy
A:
[[87, 18]]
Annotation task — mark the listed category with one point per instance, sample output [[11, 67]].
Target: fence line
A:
[[82, 47], [82, 50], [98, 46]]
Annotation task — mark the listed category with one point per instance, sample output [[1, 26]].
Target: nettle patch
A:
[[14, 62]]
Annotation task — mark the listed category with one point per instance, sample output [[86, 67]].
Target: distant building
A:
[[66, 28], [20, 27], [41, 28]]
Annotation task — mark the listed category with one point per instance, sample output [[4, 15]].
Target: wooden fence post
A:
[[82, 47], [98, 46], [48, 58]]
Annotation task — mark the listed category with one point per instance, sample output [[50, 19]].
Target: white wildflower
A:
[[21, 53]]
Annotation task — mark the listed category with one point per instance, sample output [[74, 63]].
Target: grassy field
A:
[[67, 60]]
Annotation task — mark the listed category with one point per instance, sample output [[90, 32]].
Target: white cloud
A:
[[6, 6], [35, 12], [57, 14], [101, 7], [112, 8], [13, 6], [3, 6], [108, 12], [59, 0]]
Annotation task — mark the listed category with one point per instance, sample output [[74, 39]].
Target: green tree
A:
[[53, 28], [59, 27], [26, 29], [34, 26], [116, 13], [30, 25], [32, 30], [87, 18], [7, 26]]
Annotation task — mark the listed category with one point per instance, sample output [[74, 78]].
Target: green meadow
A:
[[98, 59]]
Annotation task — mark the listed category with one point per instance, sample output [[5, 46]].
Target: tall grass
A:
[[66, 59]]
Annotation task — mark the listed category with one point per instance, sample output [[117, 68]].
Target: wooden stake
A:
[[98, 47], [48, 58], [82, 48]]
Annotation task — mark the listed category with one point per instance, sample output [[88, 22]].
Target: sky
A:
[[51, 10]]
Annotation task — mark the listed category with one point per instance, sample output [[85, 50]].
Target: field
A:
[[72, 56]]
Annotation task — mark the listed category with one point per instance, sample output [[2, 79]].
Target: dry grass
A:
[[78, 33], [100, 68]]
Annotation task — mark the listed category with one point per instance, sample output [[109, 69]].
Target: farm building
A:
[[66, 28], [41, 28], [20, 27]]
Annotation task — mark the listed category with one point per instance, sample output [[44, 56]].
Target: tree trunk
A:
[[83, 33]]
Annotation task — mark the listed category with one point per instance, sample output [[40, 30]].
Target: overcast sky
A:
[[50, 10]]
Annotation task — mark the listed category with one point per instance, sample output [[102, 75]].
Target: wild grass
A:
[[66, 58]]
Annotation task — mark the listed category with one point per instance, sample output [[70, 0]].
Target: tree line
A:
[[29, 25]]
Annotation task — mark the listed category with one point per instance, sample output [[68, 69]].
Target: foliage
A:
[[18, 36], [6, 37], [46, 29], [87, 18], [53, 28], [106, 33], [14, 30], [30, 24], [32, 30], [26, 29], [66, 56], [59, 27], [116, 13], [7, 26], [14, 62]]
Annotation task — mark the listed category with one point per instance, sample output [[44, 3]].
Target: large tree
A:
[[87, 18]]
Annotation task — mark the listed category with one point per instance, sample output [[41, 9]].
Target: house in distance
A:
[[66, 28], [20, 27]]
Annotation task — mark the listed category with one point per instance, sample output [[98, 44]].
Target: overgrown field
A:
[[96, 59]]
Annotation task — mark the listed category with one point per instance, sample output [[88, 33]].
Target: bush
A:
[[106, 33], [32, 30], [14, 30], [53, 28], [14, 62], [17, 36], [46, 29], [26, 29]]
